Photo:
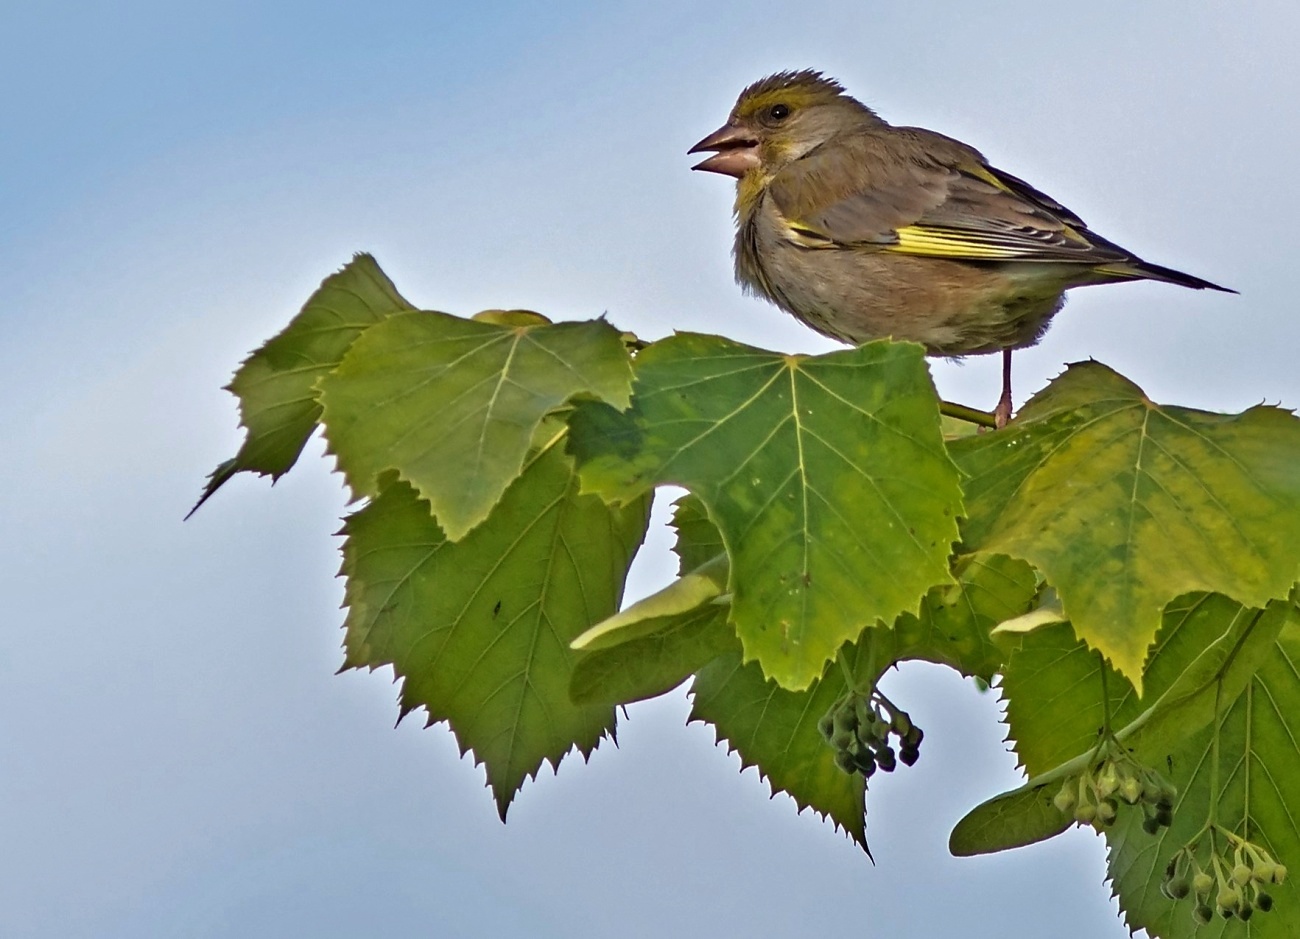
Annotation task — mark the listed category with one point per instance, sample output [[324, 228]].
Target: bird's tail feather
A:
[[1142, 270]]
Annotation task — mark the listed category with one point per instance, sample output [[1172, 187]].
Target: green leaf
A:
[[1219, 673], [826, 476], [452, 405], [1124, 505], [1053, 682], [956, 621], [1259, 798], [479, 629], [775, 730], [772, 729], [1053, 687], [276, 384], [698, 539]]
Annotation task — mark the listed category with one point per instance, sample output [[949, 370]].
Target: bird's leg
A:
[[1002, 413]]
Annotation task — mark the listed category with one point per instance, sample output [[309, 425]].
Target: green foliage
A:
[[1255, 772], [1124, 571], [657, 643], [1061, 696]]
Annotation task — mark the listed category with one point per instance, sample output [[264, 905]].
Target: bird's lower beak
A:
[[735, 151]]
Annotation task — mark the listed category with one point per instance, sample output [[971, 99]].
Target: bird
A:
[[865, 230]]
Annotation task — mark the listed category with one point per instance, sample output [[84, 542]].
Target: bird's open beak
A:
[[735, 151]]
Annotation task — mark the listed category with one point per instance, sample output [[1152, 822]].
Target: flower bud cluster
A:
[[1093, 797], [859, 727], [1234, 885]]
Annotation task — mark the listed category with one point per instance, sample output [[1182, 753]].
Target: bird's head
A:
[[779, 119]]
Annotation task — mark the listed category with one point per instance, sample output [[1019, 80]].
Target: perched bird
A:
[[864, 230]]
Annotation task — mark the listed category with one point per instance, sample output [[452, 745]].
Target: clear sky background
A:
[[177, 757]]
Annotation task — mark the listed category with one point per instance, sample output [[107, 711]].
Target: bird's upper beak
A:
[[735, 151]]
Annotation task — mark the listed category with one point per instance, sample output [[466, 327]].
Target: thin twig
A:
[[963, 413]]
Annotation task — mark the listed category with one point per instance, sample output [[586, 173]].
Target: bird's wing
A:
[[923, 194]]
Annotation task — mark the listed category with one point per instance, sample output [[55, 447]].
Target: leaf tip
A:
[[216, 479]]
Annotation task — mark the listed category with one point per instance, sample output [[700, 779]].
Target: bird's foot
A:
[[1002, 413]]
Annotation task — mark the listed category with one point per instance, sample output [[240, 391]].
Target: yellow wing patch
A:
[[933, 243]]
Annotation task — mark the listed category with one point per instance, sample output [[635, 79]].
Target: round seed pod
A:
[[826, 726], [865, 763], [1228, 901]]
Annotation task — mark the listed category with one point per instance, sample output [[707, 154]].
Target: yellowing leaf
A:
[[1124, 505]]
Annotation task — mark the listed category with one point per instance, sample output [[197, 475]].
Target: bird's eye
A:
[[778, 112]]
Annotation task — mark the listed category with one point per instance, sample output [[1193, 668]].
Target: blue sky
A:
[[178, 756]]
